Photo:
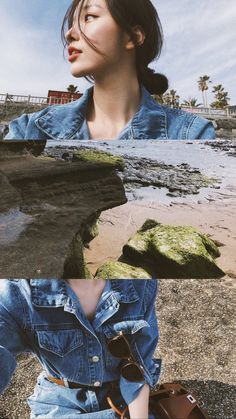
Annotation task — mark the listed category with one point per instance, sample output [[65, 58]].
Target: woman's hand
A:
[[138, 409]]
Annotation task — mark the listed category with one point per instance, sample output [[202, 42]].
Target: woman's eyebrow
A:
[[87, 6]]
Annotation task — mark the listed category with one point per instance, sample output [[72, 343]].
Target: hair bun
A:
[[155, 83]]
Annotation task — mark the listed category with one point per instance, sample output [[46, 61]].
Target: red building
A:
[[56, 97]]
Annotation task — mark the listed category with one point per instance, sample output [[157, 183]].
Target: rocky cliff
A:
[[46, 204]]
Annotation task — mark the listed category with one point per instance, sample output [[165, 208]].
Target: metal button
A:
[[95, 358], [97, 383]]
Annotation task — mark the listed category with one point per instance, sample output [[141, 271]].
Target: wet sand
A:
[[216, 218]]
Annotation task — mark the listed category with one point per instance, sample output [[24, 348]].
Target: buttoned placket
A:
[[105, 310], [94, 346]]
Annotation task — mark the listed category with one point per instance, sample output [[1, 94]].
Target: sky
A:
[[200, 38]]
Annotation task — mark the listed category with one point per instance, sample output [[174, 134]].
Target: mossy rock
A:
[[91, 230], [119, 270], [173, 252], [74, 265], [99, 157]]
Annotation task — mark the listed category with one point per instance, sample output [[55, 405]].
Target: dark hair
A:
[[127, 14]]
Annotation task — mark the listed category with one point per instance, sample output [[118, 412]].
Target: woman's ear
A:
[[139, 36]]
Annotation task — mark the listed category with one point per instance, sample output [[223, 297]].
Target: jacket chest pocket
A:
[[129, 328], [60, 342]]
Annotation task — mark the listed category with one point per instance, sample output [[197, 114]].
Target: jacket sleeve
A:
[[145, 343], [17, 128], [201, 129], [11, 334], [24, 127]]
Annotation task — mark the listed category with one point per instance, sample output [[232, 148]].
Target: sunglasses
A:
[[119, 347]]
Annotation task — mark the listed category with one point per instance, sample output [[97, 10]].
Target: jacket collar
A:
[[63, 121], [53, 292], [150, 120]]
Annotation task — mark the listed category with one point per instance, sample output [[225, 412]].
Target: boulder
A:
[[173, 252], [119, 270]]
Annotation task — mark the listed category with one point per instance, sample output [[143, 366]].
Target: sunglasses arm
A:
[[121, 414]]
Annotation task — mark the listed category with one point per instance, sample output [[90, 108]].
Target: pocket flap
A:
[[126, 327], [60, 342]]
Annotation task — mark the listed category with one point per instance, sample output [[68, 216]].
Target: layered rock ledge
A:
[[45, 204]]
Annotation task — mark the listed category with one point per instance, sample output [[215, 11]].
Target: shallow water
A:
[[12, 224], [211, 162]]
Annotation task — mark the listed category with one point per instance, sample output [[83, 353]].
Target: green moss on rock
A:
[[119, 270], [173, 252], [99, 157], [91, 230], [75, 266]]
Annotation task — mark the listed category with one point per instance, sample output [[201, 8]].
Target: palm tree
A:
[[72, 89], [192, 102], [170, 99], [174, 98], [221, 97], [203, 87]]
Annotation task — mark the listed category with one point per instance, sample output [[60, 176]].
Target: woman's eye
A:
[[89, 17]]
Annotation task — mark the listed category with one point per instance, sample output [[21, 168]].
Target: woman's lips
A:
[[73, 57]]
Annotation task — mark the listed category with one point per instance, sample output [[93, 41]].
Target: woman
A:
[[75, 328], [112, 42]]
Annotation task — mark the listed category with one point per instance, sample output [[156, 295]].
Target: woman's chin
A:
[[77, 72]]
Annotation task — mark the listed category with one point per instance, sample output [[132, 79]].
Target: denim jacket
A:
[[152, 121], [44, 316]]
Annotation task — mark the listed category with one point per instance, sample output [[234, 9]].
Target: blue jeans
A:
[[52, 401]]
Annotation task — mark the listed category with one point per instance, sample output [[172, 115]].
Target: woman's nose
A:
[[73, 34]]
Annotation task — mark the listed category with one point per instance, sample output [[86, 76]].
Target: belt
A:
[[70, 384]]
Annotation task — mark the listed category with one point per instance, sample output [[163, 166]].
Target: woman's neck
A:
[[89, 292], [86, 286], [115, 101]]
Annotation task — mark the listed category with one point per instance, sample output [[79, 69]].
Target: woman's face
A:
[[101, 29]]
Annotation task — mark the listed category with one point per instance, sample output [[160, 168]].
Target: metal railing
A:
[[7, 99], [209, 111]]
